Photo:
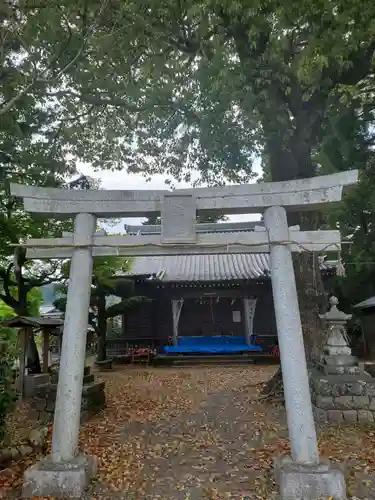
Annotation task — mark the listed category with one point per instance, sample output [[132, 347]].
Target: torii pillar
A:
[[66, 473], [303, 475]]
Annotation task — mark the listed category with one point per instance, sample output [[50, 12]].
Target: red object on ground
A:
[[141, 355], [276, 352]]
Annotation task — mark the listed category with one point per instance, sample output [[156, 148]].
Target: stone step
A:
[[160, 360]]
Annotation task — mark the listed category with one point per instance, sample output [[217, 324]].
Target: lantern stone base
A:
[[60, 480], [309, 482], [340, 399]]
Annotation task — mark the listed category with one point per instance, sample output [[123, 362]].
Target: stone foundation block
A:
[[312, 482], [320, 415], [325, 402], [344, 403], [370, 388], [343, 385], [60, 480], [335, 416], [93, 400], [32, 383], [350, 416], [361, 402], [365, 416]]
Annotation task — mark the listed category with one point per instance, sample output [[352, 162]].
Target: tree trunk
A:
[[102, 328], [21, 309], [293, 164], [311, 298], [32, 355]]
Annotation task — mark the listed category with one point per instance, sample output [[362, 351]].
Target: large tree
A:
[[205, 85], [172, 87], [33, 141]]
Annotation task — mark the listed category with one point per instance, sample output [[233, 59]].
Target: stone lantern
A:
[[340, 391], [337, 355]]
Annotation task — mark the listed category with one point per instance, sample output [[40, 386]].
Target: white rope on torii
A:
[[50, 248]]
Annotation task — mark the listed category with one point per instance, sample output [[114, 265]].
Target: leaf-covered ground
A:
[[195, 433]]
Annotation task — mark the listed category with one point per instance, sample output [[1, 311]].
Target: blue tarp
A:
[[218, 344]]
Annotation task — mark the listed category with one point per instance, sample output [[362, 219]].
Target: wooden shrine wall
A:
[[152, 323]]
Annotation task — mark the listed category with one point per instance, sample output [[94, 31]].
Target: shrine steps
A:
[[234, 359]]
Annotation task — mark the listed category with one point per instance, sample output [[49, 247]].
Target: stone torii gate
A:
[[304, 474]]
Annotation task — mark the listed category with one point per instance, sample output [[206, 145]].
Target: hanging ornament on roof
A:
[[340, 268]]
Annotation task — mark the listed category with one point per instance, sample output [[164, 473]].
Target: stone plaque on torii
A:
[[65, 473]]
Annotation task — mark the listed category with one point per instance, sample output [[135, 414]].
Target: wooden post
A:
[[22, 336], [45, 349]]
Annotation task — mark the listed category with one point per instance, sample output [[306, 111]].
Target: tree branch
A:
[[7, 283], [126, 305], [5, 276], [38, 78], [35, 283], [361, 61], [9, 105]]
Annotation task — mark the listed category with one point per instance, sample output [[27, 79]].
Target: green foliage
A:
[[177, 87], [8, 352], [7, 392], [38, 44], [356, 220], [166, 87], [206, 85], [104, 284], [104, 269], [35, 300], [348, 143], [6, 312], [8, 335]]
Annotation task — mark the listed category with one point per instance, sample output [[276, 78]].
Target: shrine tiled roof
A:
[[203, 267], [365, 304], [206, 267], [223, 267]]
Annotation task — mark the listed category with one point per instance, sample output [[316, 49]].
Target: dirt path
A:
[[213, 448], [194, 433], [207, 453]]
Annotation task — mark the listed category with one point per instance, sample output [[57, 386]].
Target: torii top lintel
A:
[[302, 194]]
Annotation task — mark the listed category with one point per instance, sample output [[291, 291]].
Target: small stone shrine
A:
[[340, 390]]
